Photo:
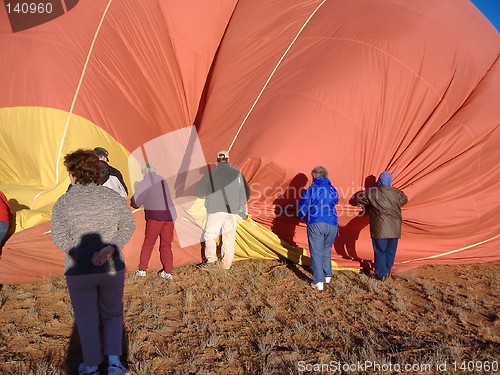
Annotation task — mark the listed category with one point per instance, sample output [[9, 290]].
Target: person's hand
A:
[[102, 256]]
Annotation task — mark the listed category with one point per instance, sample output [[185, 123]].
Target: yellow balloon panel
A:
[[34, 141]]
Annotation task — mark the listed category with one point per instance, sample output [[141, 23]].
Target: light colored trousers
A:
[[216, 223], [98, 297]]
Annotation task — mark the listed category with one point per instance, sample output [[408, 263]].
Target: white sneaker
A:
[[166, 276], [328, 279], [210, 266], [140, 273], [317, 286], [117, 369], [87, 370]]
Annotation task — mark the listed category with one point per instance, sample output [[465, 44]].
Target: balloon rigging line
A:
[[84, 70], [65, 8], [274, 71], [66, 126], [453, 251]]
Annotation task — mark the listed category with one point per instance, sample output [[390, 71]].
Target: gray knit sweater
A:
[[84, 220]]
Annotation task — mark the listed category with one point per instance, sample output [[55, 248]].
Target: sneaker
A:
[[328, 279], [212, 266], [317, 286], [164, 275], [86, 370], [383, 278], [140, 273], [117, 369]]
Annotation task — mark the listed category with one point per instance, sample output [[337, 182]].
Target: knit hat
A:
[[385, 179]]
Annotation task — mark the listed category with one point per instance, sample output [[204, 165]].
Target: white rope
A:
[[274, 71], [452, 251], [66, 126], [85, 66]]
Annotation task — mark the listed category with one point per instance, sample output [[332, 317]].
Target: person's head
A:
[[385, 179], [147, 168], [223, 157], [83, 167], [319, 172], [102, 153]]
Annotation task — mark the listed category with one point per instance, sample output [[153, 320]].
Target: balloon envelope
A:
[[354, 85]]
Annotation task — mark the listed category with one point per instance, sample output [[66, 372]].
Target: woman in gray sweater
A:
[[91, 224]]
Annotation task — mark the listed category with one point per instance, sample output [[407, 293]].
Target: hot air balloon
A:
[[355, 85]]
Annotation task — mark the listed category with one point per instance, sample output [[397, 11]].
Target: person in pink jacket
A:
[[152, 193]]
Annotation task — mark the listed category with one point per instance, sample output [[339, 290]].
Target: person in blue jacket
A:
[[317, 208]]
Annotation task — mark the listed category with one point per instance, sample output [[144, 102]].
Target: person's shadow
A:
[[285, 209], [90, 243], [345, 244]]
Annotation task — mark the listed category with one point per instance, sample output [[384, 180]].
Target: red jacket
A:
[[5, 210]]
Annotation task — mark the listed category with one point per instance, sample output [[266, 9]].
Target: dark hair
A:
[[84, 166], [104, 172]]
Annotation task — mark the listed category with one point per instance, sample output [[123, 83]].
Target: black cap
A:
[[100, 151]]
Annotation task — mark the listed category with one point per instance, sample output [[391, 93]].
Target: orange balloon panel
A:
[[366, 86], [137, 69]]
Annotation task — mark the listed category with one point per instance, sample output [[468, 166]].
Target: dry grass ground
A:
[[262, 317]]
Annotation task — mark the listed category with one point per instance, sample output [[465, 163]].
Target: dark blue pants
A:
[[4, 227], [385, 253], [321, 237]]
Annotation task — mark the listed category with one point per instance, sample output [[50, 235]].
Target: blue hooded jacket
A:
[[317, 204]]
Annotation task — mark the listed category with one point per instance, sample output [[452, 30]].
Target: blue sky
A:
[[491, 9]]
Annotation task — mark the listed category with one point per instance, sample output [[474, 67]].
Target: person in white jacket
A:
[[111, 181]]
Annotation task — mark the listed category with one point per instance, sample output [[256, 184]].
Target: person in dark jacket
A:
[[152, 193], [317, 208], [103, 155], [92, 224], [226, 193], [109, 181], [383, 204]]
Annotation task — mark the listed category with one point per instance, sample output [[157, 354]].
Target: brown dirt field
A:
[[262, 317]]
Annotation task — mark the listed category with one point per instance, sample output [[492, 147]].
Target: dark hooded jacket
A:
[[384, 207]]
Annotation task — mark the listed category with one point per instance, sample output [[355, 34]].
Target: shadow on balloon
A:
[[285, 219], [348, 235], [285, 223]]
